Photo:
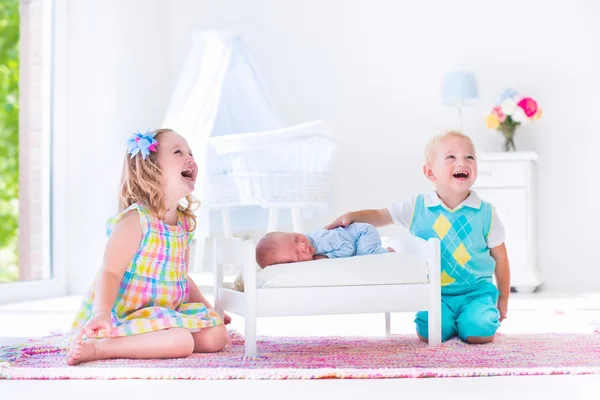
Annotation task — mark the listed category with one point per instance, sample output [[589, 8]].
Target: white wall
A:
[[116, 69], [372, 69]]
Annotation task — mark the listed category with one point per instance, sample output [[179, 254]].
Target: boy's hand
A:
[[502, 307], [226, 318], [342, 221]]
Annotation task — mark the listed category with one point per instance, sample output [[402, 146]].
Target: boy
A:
[[471, 236]]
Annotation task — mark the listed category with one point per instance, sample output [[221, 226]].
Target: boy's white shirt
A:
[[402, 214]]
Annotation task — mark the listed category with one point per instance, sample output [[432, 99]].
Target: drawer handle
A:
[[486, 173]]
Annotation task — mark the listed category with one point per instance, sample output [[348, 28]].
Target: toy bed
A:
[[408, 280]]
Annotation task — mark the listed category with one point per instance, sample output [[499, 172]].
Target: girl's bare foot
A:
[[391, 250], [81, 351]]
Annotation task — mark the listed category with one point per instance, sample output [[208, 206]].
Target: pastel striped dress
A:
[[154, 291]]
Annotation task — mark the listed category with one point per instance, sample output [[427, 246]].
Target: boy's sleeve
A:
[[402, 212], [496, 236]]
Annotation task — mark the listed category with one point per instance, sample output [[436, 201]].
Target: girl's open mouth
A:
[[188, 173]]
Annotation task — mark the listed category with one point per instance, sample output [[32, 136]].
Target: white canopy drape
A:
[[219, 92]]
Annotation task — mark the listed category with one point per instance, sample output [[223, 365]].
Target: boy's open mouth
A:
[[461, 175], [188, 173]]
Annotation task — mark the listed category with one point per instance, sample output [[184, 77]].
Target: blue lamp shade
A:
[[460, 88]]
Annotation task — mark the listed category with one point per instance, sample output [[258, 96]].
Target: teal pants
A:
[[474, 313]]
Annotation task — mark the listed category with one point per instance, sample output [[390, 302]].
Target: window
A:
[[26, 157], [9, 140]]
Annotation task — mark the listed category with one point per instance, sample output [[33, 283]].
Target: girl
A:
[[143, 303]]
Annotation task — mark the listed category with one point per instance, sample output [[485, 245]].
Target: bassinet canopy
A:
[[222, 107]]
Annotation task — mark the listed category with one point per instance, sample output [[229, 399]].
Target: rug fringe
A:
[[53, 343], [83, 373]]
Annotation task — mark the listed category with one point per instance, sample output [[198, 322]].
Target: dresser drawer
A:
[[502, 174]]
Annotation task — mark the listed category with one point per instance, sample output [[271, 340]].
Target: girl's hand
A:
[[502, 307], [342, 221], [226, 318], [101, 321]]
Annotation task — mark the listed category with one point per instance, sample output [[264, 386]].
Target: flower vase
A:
[[508, 131]]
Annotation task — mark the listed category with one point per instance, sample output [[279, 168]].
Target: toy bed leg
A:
[[435, 295], [218, 275], [388, 324], [250, 300], [250, 335]]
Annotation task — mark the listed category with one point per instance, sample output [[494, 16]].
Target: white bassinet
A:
[[222, 107], [283, 167]]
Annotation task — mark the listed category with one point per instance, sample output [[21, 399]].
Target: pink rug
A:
[[401, 356]]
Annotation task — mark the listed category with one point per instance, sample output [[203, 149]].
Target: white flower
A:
[[519, 115], [509, 106]]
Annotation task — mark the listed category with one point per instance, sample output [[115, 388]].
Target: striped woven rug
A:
[[400, 356]]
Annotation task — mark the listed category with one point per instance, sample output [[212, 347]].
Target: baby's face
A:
[[453, 166], [293, 247]]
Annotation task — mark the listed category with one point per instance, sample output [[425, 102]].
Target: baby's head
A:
[[283, 247], [158, 170], [450, 162]]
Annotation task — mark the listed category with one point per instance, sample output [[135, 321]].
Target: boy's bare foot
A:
[[391, 250], [81, 351]]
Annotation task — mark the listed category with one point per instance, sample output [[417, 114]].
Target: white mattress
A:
[[379, 269]]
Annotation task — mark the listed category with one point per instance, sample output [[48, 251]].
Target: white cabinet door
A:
[[511, 206]]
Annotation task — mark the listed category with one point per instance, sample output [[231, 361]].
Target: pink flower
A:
[[497, 111], [529, 106]]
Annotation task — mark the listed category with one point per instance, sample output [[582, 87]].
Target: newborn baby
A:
[[356, 239]]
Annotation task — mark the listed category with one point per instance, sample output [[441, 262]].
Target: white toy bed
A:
[[408, 280]]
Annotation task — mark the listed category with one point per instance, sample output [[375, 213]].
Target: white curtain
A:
[[219, 92]]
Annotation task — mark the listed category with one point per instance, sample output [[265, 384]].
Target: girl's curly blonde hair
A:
[[141, 182]]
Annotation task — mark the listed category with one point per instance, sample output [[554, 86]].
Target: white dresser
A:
[[507, 181]]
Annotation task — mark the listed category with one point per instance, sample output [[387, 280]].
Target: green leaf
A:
[[9, 137]]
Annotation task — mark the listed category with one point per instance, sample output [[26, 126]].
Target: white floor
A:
[[527, 314]]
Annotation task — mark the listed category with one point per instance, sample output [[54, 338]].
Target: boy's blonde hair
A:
[[142, 182], [430, 147]]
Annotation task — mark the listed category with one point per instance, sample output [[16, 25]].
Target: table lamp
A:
[[460, 89]]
